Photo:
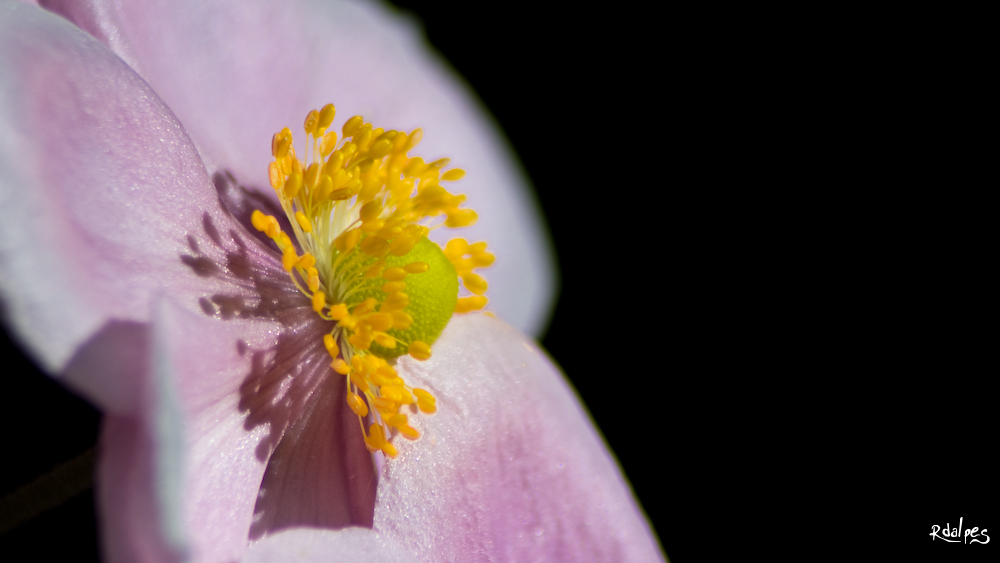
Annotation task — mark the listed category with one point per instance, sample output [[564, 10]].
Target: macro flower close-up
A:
[[286, 254]]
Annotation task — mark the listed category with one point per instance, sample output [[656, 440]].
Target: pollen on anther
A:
[[318, 301], [420, 350], [357, 405], [331, 345], [303, 221]]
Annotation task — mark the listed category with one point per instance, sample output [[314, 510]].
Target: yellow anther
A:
[[275, 176], [413, 139], [380, 148], [375, 270], [365, 307], [293, 185], [338, 311], [416, 267], [280, 143], [360, 341], [420, 351], [409, 432], [383, 375], [389, 450], [358, 366], [303, 221], [312, 279], [328, 143], [374, 245], [401, 320], [325, 188], [397, 420], [259, 220], [312, 119], [392, 393], [311, 175], [380, 321], [352, 126], [359, 381], [385, 405], [456, 248], [357, 405], [350, 322], [372, 225], [399, 142], [349, 148], [396, 302], [363, 136], [394, 274], [319, 301], [325, 118], [331, 345], [348, 240], [306, 261], [474, 283], [483, 259], [467, 304], [289, 259], [280, 238], [375, 438], [385, 340], [423, 394], [340, 366], [391, 229], [402, 245], [370, 210], [374, 362], [461, 218], [393, 287], [387, 136], [273, 230], [335, 164], [415, 167], [453, 175], [426, 406]]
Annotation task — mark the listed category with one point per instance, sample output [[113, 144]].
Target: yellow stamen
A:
[[360, 209], [357, 405], [420, 350], [318, 301]]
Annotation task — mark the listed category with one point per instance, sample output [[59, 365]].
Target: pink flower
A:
[[126, 269]]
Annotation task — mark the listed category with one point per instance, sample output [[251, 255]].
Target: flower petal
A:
[[269, 442], [183, 475], [104, 201], [350, 545], [510, 468], [234, 76]]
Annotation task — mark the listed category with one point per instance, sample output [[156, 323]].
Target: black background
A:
[[775, 272]]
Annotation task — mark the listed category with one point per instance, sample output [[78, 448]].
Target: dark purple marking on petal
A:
[[241, 202], [319, 473]]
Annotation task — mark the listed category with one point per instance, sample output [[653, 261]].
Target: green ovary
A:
[[433, 295]]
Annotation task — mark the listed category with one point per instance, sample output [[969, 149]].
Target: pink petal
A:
[[351, 545], [509, 468], [267, 440], [235, 76], [104, 202]]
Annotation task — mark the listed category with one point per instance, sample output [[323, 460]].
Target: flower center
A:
[[360, 209]]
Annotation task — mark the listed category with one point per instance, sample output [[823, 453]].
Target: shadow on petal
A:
[[319, 473]]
